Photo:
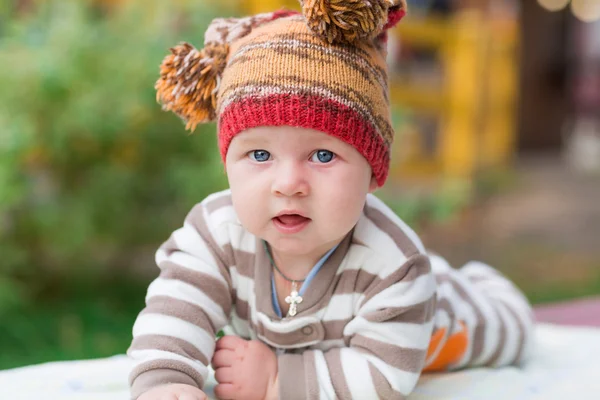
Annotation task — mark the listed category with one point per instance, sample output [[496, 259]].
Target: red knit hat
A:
[[322, 69]]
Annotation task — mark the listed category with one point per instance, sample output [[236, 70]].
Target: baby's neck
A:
[[293, 266], [297, 267]]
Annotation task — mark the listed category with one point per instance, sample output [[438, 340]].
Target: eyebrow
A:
[[252, 141]]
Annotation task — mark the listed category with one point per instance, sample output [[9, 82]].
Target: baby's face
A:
[[299, 189]]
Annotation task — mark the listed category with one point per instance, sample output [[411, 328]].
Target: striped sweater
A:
[[365, 329]]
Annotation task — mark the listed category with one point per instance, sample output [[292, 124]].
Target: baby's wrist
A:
[[273, 389]]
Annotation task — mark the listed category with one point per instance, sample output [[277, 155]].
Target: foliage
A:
[[92, 173]]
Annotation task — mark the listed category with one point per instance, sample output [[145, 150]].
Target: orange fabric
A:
[[452, 351]]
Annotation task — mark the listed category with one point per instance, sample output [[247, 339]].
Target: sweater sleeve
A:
[[189, 302], [387, 343]]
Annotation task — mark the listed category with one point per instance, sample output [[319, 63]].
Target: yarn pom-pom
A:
[[346, 21], [189, 81]]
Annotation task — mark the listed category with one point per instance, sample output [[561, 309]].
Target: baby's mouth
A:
[[291, 219]]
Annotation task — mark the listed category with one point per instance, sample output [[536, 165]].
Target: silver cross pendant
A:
[[293, 300]]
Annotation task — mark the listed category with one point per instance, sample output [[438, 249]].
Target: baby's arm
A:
[[174, 392], [174, 336], [388, 342]]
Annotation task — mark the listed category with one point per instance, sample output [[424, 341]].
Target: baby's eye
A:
[[259, 155], [322, 156]]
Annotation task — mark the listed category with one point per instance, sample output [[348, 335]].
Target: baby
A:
[[322, 290]]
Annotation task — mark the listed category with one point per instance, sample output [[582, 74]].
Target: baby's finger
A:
[[224, 375], [223, 358], [230, 342], [225, 391]]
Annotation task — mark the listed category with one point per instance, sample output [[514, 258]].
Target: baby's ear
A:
[[372, 184]]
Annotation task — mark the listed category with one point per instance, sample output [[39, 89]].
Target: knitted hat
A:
[[322, 69]]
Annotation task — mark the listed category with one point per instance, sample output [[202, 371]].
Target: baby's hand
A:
[[245, 370], [174, 391]]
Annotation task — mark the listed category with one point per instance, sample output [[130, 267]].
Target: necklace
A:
[[294, 298]]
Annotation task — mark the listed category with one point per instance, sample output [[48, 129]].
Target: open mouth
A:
[[291, 219], [290, 223]]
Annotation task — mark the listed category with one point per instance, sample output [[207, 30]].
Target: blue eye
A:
[[259, 155], [322, 156]]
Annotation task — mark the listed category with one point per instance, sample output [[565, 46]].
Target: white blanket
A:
[[565, 365]]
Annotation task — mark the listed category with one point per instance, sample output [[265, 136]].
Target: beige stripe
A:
[[310, 376], [242, 309], [445, 305], [218, 203], [292, 379], [335, 329], [158, 377], [223, 259], [501, 338], [402, 240], [403, 358], [179, 309], [520, 334], [333, 358], [479, 335], [354, 281], [244, 261], [213, 288], [420, 313], [384, 390], [170, 344], [416, 266], [162, 365], [298, 338], [169, 246]]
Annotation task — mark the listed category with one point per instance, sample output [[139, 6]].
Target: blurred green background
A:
[[93, 177]]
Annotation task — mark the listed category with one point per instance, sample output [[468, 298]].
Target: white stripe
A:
[[190, 294], [218, 221], [189, 240], [330, 344], [215, 196], [441, 320], [401, 381], [465, 311], [366, 259], [240, 326], [380, 242], [326, 391], [245, 291], [511, 342], [205, 264], [240, 238], [156, 324], [285, 325], [402, 294], [341, 306], [414, 336], [142, 356], [357, 374], [377, 203], [243, 285]]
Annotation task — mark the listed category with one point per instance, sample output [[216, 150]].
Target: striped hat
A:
[[322, 69]]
